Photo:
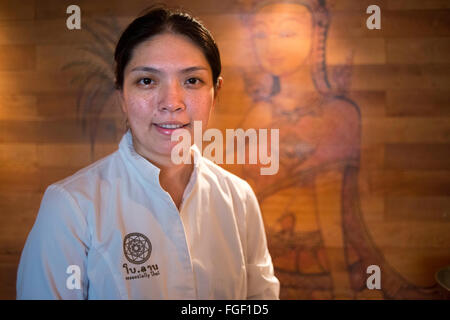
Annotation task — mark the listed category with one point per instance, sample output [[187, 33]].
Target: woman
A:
[[136, 226]]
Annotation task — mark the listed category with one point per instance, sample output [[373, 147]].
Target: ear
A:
[[218, 86], [120, 98], [216, 91]]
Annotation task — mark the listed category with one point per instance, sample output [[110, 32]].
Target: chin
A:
[[164, 150]]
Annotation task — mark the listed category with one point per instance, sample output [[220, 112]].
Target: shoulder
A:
[[86, 186], [67, 201], [341, 107], [341, 117], [259, 115], [224, 180], [89, 176]]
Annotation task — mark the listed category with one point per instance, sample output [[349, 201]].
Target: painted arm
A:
[[329, 205]]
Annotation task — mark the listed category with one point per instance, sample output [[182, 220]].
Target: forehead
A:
[[168, 50], [276, 13]]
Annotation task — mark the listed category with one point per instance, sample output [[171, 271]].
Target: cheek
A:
[[264, 48], [298, 49], [200, 105], [139, 109]]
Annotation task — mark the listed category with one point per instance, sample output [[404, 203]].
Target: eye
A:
[[146, 81], [286, 34], [259, 35], [193, 81], [259, 31]]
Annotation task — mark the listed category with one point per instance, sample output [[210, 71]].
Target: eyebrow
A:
[[155, 70], [294, 19]]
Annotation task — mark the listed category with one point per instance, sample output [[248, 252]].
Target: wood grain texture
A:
[[418, 103], [428, 208], [417, 4], [11, 10], [17, 57], [69, 131], [417, 156]]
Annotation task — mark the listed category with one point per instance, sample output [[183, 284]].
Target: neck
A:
[[297, 90], [175, 173], [173, 178], [171, 174], [298, 83]]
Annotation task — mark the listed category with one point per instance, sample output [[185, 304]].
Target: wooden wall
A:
[[400, 83]]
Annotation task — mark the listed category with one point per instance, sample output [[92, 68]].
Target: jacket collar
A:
[[145, 168]]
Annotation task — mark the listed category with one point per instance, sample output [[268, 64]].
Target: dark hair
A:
[[159, 19]]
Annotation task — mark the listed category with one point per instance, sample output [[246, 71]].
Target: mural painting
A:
[[317, 237]]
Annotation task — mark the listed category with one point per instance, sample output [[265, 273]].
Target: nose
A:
[[272, 46], [171, 97]]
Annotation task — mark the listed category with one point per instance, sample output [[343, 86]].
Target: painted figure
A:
[[318, 239]]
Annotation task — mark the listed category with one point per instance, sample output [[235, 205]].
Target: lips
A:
[[167, 128]]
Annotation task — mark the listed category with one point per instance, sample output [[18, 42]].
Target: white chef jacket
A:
[[113, 221]]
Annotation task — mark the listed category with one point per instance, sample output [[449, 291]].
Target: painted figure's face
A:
[[281, 36], [167, 85]]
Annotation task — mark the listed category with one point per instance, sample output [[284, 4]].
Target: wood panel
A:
[[17, 32], [418, 103], [418, 50], [11, 10], [18, 107], [69, 131], [432, 208], [410, 183], [417, 4], [407, 130], [17, 57], [33, 82], [417, 156], [401, 77]]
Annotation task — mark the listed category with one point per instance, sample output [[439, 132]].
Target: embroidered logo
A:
[[137, 248]]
